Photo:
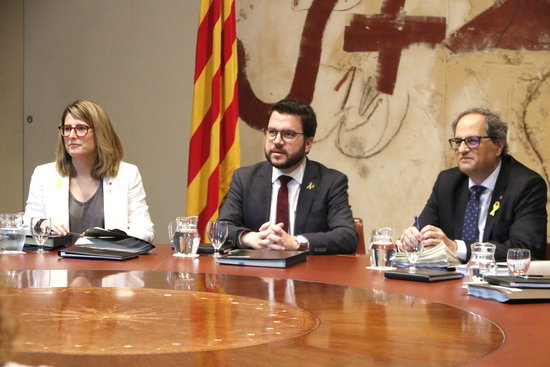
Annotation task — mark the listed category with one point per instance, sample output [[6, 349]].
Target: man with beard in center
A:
[[319, 217]]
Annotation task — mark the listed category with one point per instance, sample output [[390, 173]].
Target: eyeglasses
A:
[[288, 136], [472, 142], [80, 130]]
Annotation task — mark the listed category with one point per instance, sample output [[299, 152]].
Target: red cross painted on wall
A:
[[389, 33]]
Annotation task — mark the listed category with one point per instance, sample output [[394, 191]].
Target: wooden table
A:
[[330, 310]]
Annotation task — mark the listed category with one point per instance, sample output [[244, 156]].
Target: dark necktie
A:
[[282, 202], [470, 231]]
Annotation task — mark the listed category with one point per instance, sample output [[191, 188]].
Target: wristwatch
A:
[[303, 243]]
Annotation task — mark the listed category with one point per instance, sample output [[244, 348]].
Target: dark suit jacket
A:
[[323, 214], [519, 222]]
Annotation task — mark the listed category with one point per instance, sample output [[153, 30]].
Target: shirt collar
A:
[[489, 182], [297, 174]]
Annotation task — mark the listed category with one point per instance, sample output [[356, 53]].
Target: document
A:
[[439, 256], [509, 295], [99, 238]]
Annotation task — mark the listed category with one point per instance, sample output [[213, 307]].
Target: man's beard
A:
[[291, 161]]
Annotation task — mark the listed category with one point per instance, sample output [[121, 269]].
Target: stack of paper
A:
[[508, 294], [439, 256]]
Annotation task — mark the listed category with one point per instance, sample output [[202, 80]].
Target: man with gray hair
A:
[[488, 197]]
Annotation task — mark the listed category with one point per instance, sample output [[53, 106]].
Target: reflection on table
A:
[[357, 317]]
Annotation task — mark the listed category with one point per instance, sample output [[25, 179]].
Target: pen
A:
[[416, 223]]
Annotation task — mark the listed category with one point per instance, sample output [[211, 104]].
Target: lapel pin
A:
[[310, 186], [496, 206], [58, 183]]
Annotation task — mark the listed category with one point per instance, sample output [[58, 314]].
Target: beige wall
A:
[[11, 106], [392, 149], [136, 58]]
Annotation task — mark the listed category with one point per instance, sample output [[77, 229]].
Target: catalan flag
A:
[[214, 149]]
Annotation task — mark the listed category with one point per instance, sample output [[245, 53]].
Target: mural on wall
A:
[[513, 25], [384, 75]]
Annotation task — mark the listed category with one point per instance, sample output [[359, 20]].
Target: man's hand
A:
[[429, 235], [432, 236], [270, 236], [406, 238]]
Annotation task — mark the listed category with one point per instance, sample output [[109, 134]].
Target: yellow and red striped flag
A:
[[214, 149]]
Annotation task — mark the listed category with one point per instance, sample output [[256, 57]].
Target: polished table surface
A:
[[342, 313]]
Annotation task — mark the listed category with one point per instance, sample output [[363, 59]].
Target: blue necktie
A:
[[470, 231]]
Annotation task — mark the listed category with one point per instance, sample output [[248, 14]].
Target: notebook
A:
[[529, 281], [423, 275], [96, 254], [265, 258]]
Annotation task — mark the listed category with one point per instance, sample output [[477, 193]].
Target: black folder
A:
[[265, 258], [518, 281], [423, 275], [96, 254]]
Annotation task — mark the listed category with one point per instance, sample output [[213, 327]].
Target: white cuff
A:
[[461, 250]]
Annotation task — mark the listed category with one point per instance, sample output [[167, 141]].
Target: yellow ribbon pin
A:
[[58, 183], [310, 186], [496, 206]]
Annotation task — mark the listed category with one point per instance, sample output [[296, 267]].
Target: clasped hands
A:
[[270, 236], [430, 236]]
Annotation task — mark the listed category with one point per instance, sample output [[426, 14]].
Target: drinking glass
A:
[[413, 247], [217, 233], [172, 228], [40, 229], [518, 261], [382, 249]]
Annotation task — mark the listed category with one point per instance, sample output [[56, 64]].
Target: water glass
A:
[[217, 233], [412, 247], [518, 261], [40, 229]]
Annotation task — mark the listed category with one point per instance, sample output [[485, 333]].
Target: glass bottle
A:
[[12, 234], [482, 261]]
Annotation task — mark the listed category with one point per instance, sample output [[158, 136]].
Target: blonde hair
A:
[[108, 146]]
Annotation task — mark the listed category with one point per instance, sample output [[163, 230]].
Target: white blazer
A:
[[124, 203]]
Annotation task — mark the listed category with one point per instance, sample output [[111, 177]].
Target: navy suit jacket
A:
[[519, 222], [323, 214]]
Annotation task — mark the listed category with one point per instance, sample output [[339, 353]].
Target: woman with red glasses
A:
[[88, 185]]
